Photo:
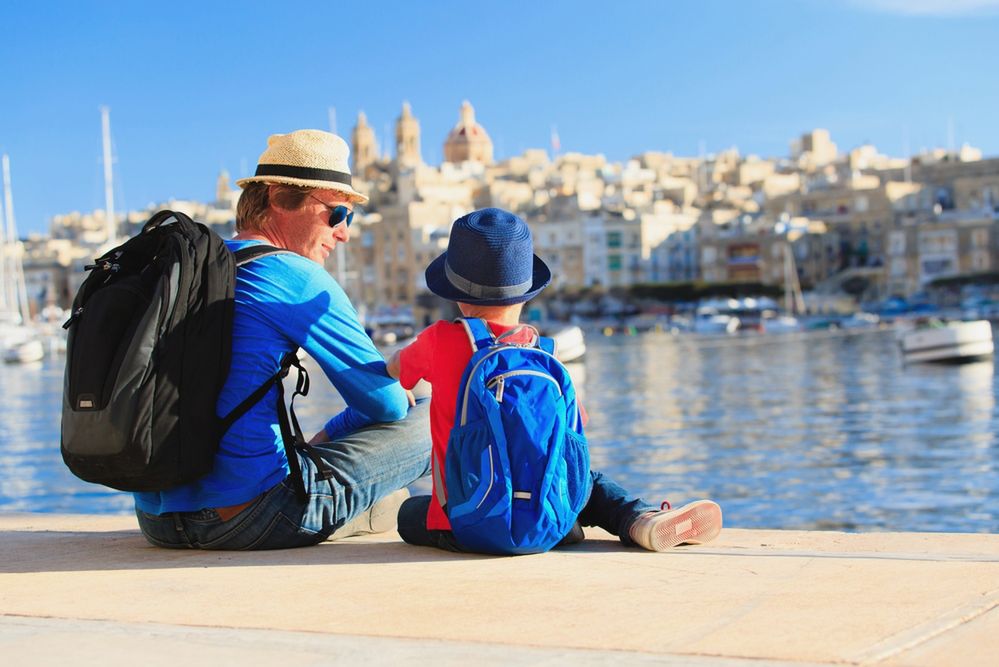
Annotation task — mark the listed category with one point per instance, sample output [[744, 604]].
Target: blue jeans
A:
[[367, 465], [610, 507]]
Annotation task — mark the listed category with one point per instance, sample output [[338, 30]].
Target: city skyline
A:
[[198, 90]]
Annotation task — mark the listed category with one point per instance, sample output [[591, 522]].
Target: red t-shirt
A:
[[439, 355]]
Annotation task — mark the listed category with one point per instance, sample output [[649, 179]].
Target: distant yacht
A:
[[20, 341]]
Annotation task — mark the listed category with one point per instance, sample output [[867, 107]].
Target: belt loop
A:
[[178, 525]]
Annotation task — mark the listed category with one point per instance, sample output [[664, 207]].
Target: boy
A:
[[490, 270]]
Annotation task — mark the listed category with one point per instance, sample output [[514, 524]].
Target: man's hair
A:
[[251, 211]]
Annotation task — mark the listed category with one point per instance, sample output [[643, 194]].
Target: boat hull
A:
[[957, 342]]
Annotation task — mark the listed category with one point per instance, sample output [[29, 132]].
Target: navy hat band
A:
[[486, 291]]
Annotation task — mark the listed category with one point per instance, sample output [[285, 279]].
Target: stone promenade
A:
[[88, 590]]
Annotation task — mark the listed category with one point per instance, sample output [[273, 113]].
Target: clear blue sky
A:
[[194, 87]]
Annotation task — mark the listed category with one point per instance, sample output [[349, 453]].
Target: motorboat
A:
[[780, 324], [25, 352], [861, 320], [948, 342], [710, 321], [569, 343]]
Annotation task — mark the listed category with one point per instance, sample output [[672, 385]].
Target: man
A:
[[301, 200]]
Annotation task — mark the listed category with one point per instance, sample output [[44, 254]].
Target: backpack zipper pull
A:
[[72, 318], [499, 390]]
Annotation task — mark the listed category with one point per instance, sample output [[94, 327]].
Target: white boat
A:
[[860, 320], [25, 352], [710, 321], [948, 342], [569, 343], [19, 340], [780, 324]]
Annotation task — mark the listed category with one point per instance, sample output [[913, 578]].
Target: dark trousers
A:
[[609, 507]]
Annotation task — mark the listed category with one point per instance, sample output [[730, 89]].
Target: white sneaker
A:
[[694, 523], [379, 518]]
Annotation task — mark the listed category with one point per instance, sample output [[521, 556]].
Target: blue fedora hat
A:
[[489, 261]]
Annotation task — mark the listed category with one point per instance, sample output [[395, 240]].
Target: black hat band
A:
[[304, 173]]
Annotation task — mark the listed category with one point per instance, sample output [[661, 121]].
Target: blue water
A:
[[817, 430]]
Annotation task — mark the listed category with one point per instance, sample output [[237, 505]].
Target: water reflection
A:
[[798, 431]]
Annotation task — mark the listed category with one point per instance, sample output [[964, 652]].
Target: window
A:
[[613, 239], [614, 262]]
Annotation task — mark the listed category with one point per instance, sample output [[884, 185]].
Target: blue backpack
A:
[[517, 466]]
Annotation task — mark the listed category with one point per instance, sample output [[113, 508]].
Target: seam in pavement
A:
[[376, 650], [849, 555], [920, 634]]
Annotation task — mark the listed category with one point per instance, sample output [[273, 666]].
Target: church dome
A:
[[468, 140]]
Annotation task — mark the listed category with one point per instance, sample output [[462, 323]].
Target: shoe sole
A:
[[696, 523]]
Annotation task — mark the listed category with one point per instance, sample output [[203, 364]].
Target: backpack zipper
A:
[[464, 402], [501, 379]]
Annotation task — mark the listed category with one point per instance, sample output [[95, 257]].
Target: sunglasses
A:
[[338, 213]]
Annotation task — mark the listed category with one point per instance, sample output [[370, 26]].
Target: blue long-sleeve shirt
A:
[[284, 301]]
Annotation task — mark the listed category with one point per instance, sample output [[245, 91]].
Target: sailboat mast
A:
[[794, 300], [16, 294], [4, 281], [788, 299], [112, 231]]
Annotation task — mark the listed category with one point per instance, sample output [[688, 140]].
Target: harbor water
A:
[[817, 430]]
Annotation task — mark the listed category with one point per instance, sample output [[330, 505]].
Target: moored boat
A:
[[569, 343], [25, 352], [948, 342]]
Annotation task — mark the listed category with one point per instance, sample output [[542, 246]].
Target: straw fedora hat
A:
[[312, 158], [489, 261]]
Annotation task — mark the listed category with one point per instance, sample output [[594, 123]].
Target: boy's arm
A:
[[394, 366], [414, 362]]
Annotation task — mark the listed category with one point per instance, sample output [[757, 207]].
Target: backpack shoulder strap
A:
[[250, 253], [161, 218], [478, 332], [547, 344]]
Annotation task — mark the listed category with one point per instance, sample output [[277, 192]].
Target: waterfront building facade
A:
[[654, 218]]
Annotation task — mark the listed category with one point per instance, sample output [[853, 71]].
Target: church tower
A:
[[407, 138], [468, 140], [223, 191], [364, 148]]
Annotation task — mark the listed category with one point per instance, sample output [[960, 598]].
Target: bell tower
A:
[[364, 148], [407, 138]]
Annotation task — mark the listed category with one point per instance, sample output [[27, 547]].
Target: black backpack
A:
[[148, 351]]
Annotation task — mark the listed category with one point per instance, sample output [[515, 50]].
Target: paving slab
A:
[[793, 597]]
